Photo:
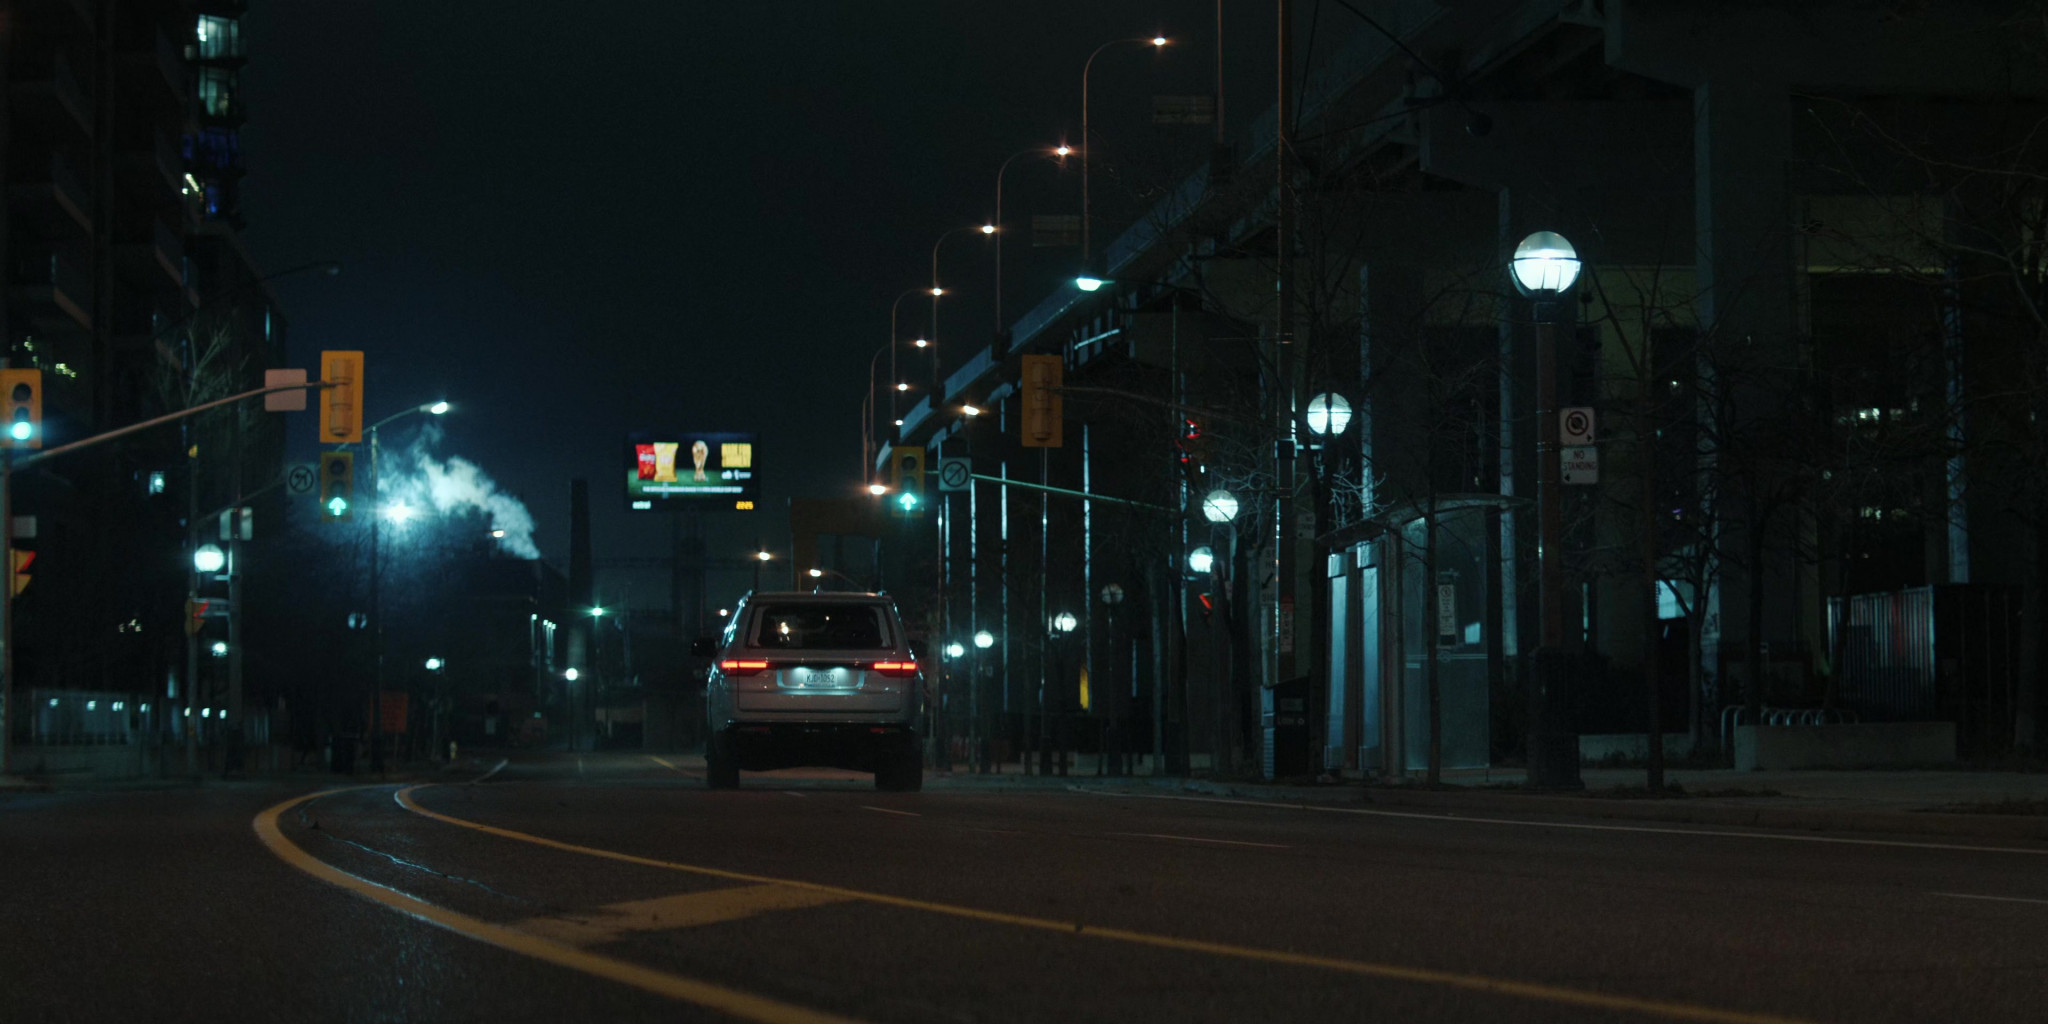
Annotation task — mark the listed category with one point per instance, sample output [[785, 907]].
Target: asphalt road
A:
[[619, 888]]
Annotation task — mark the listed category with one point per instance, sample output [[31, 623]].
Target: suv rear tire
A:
[[721, 764]]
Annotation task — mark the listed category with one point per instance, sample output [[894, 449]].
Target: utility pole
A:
[[1280, 661]]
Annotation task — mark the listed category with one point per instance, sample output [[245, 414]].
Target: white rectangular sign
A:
[[1580, 465]]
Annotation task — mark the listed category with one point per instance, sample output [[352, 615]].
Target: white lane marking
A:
[[791, 792], [1994, 899], [885, 810], [495, 769], [1583, 827], [1198, 839]]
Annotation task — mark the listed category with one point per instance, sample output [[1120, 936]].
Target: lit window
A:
[[219, 38]]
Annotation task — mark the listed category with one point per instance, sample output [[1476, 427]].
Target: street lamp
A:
[[376, 581], [570, 674], [761, 558], [1088, 144], [1065, 622], [956, 649], [1544, 267], [1328, 414], [1219, 506], [937, 291], [435, 664], [1112, 594], [983, 640], [1201, 560], [1058, 153], [209, 558]]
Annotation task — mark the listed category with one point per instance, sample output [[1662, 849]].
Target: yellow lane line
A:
[[743, 1005], [683, 910], [1449, 979], [664, 763]]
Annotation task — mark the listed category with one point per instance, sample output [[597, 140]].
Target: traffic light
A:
[[337, 485], [1042, 405], [341, 421], [1194, 444], [906, 471], [22, 391], [18, 572]]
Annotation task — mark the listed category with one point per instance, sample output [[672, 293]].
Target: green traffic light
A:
[[337, 506], [22, 429], [908, 501]]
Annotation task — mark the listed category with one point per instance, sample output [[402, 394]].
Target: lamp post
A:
[[1327, 416], [1544, 268], [894, 376], [761, 558], [377, 514], [819, 574], [1113, 752], [1058, 153], [1088, 145], [936, 291]]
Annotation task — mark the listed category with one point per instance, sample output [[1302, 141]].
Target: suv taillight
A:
[[739, 667], [897, 669]]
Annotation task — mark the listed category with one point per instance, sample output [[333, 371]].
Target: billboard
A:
[[691, 470]]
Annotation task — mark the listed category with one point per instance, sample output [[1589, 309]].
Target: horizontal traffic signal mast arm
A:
[[1091, 496], [161, 420]]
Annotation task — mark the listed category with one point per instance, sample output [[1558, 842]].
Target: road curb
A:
[[1677, 811]]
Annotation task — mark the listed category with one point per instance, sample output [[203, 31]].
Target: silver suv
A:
[[814, 680]]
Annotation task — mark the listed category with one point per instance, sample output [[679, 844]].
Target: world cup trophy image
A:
[[699, 451]]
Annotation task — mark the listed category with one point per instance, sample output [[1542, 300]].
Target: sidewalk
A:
[[1949, 804]]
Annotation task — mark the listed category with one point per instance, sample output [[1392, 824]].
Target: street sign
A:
[[1580, 465], [955, 474], [1575, 426], [301, 478], [1447, 615]]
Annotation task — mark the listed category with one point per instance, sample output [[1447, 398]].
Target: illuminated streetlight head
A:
[[956, 649], [984, 639], [434, 664], [209, 558], [969, 410], [1201, 559], [1545, 264], [937, 291], [1158, 41], [921, 343], [899, 423], [220, 648], [1219, 506], [1089, 282], [1063, 150], [1328, 414], [597, 613], [817, 574], [1065, 622], [763, 555], [988, 229], [570, 674], [497, 534], [902, 386], [439, 408], [878, 489], [723, 612]]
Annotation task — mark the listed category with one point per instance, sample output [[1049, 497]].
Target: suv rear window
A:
[[835, 627]]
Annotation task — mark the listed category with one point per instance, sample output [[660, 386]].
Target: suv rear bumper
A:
[[856, 746]]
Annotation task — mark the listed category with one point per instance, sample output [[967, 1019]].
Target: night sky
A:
[[574, 221]]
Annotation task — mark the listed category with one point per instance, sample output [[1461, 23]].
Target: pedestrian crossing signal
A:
[[18, 571]]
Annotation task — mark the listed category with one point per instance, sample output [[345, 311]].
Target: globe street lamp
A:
[[984, 639], [209, 558], [1201, 560], [1544, 268], [1219, 506], [1065, 622], [1328, 415], [956, 649]]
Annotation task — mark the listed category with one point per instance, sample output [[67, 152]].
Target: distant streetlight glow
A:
[[988, 229], [438, 408], [763, 555], [956, 649], [1063, 150], [220, 648], [1201, 559], [1065, 622], [817, 574], [878, 489], [922, 343], [498, 534], [435, 664], [1159, 40], [984, 639], [969, 410], [597, 612], [209, 558], [937, 291], [901, 386], [570, 674], [1089, 282]]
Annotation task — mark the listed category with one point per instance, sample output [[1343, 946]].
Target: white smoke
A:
[[428, 485]]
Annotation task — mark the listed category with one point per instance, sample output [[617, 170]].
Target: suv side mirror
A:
[[703, 647]]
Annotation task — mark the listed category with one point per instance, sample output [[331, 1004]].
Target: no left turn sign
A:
[[300, 479]]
